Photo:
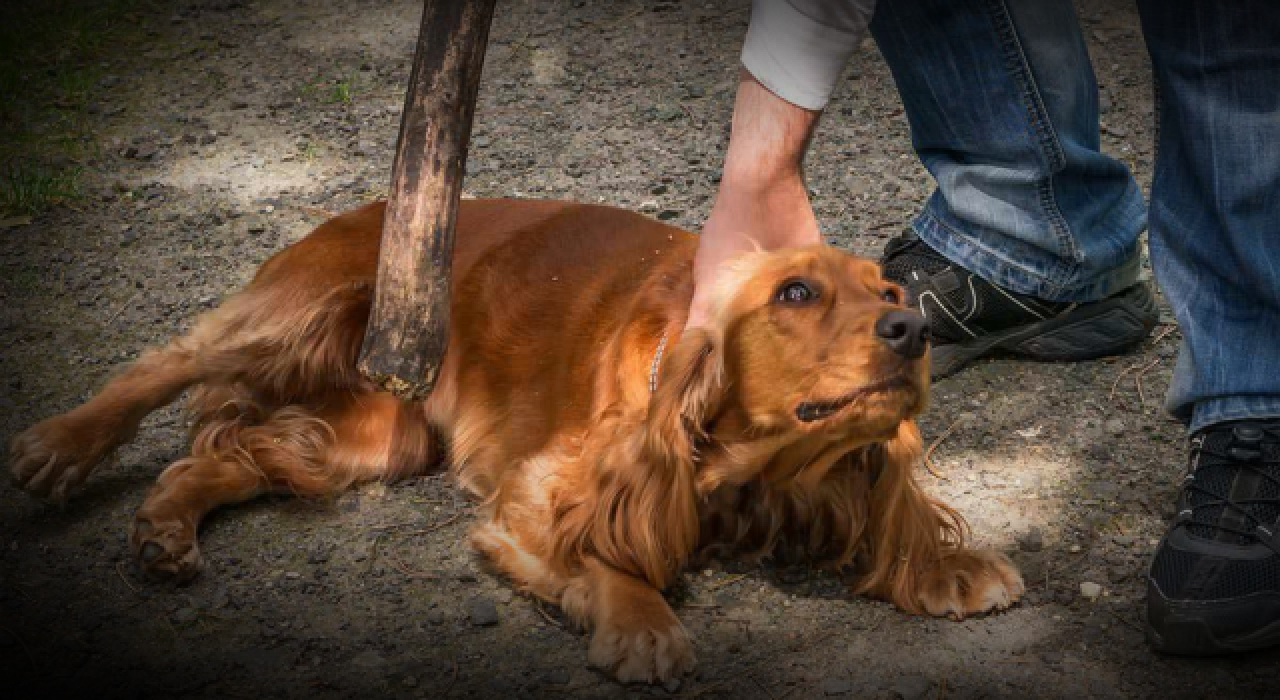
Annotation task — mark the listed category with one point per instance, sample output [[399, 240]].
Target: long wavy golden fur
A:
[[784, 429]]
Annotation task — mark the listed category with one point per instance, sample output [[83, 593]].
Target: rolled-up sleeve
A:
[[798, 48]]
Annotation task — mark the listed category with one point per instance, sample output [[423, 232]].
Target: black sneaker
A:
[[1214, 584], [972, 318]]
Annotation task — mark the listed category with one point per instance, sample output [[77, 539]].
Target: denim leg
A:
[[1215, 201], [1003, 107]]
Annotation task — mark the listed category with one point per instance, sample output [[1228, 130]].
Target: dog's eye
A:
[[892, 296], [796, 293]]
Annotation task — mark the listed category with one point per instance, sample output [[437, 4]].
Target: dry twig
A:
[[23, 644], [120, 571], [1137, 378], [411, 573], [928, 454], [111, 319], [1164, 333], [727, 582], [1116, 384], [537, 605], [434, 526]]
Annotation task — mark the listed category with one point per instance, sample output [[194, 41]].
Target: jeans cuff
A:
[[1213, 411], [1009, 274]]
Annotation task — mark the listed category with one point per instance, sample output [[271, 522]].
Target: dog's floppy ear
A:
[[689, 391], [909, 533], [636, 508]]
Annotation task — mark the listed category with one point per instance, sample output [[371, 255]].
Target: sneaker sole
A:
[[1107, 327], [1186, 632]]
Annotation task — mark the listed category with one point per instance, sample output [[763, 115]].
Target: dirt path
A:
[[229, 128]]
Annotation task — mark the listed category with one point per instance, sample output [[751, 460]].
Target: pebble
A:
[[913, 687], [556, 676], [482, 612], [1115, 426], [835, 686], [185, 615], [1090, 590], [1033, 541]]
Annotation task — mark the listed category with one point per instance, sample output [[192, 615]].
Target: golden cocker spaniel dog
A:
[[608, 445]]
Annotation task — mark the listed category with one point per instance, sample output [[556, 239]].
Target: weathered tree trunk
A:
[[408, 329]]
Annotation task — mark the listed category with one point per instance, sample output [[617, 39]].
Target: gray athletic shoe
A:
[[971, 318]]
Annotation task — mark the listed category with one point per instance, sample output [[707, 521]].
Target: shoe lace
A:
[[1244, 451]]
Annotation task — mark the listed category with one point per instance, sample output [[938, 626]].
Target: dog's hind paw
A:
[[53, 458], [166, 550]]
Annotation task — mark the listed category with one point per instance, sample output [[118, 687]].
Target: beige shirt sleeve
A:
[[798, 48]]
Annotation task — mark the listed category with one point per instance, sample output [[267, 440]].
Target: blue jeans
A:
[[1003, 107]]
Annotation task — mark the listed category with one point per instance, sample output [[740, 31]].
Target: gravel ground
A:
[[230, 128]]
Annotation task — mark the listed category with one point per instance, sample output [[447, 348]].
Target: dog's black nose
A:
[[905, 332]]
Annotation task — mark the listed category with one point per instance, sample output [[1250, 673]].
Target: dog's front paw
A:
[[166, 550], [54, 457], [655, 652], [971, 582]]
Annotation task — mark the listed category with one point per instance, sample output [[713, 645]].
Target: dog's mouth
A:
[[813, 411]]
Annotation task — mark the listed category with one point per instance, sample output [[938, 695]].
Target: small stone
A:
[[557, 676], [912, 687], [668, 214], [482, 612], [208, 137], [1033, 541], [1090, 590], [319, 555], [368, 660], [1115, 426], [1102, 690], [658, 189], [185, 616], [835, 686]]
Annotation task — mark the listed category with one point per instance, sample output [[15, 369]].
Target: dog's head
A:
[[811, 344], [818, 340]]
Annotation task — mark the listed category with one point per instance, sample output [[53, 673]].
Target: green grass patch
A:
[[26, 189], [50, 73], [332, 89]]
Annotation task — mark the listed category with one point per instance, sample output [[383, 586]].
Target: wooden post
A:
[[408, 331]]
